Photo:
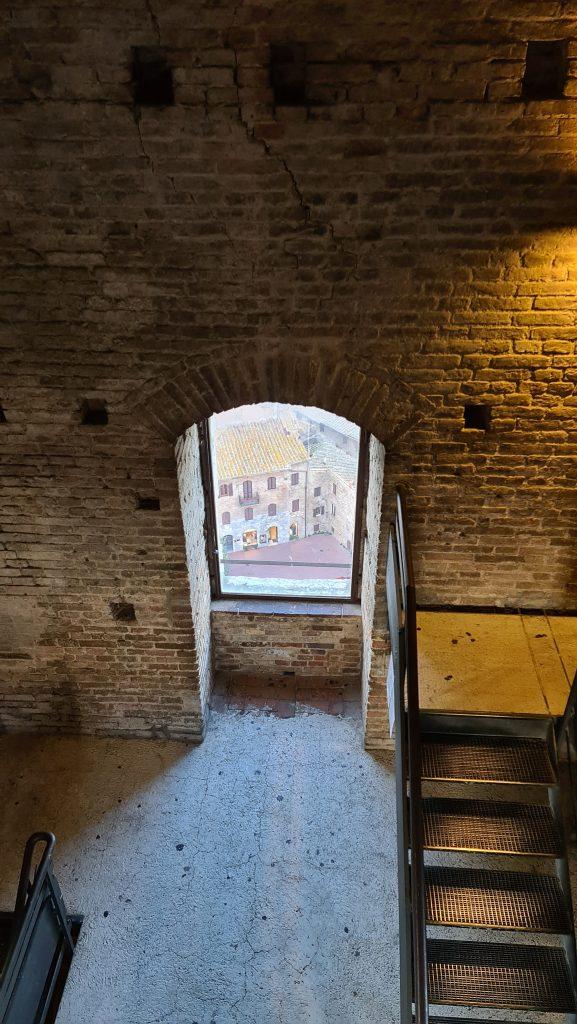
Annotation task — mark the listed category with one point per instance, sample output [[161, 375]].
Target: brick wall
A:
[[402, 245], [75, 542], [324, 646]]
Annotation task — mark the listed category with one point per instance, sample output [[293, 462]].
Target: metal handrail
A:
[[413, 769], [290, 564], [33, 948], [26, 884], [569, 713], [566, 727]]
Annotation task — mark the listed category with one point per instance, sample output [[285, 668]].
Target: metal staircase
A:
[[481, 850]]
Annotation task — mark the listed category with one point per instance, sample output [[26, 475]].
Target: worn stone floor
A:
[[250, 880], [501, 663]]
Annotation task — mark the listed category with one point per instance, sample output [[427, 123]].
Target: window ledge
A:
[[270, 606]]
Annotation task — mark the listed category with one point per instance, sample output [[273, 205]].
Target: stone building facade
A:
[[398, 248], [332, 484], [261, 485], [264, 495]]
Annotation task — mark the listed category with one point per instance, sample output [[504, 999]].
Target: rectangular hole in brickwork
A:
[[2, 415], [545, 69], [149, 504], [288, 74], [477, 417], [93, 412], [152, 81], [122, 611]]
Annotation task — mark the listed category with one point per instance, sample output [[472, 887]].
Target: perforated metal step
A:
[[484, 1020], [465, 1020], [490, 826], [499, 975], [508, 759], [463, 897]]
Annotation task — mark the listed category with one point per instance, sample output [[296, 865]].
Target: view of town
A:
[[285, 500]]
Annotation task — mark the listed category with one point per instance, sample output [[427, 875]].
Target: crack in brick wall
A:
[[171, 269]]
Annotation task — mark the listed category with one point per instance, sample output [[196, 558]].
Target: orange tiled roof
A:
[[246, 449]]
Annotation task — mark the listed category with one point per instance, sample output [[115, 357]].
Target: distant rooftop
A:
[[324, 453], [329, 419], [246, 449]]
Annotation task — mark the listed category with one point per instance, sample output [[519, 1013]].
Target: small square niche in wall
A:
[[93, 412], [122, 611], [477, 417], [545, 69], [149, 504], [152, 83], [288, 74]]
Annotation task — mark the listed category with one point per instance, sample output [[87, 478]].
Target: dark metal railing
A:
[[40, 943], [566, 729], [285, 563], [401, 601]]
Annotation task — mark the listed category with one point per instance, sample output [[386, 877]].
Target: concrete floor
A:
[[500, 663], [247, 881]]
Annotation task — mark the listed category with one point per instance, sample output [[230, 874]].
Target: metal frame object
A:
[[41, 940], [516, 815], [402, 609]]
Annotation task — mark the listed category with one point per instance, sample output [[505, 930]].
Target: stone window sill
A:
[[269, 606]]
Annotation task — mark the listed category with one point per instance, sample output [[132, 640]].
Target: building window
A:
[[251, 451], [333, 510]]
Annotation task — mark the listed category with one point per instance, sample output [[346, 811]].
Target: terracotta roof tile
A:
[[245, 450]]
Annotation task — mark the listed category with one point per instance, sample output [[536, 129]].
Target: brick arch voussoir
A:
[[377, 401]]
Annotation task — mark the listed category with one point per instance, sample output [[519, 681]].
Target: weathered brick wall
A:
[[324, 646], [192, 504], [74, 541], [402, 245]]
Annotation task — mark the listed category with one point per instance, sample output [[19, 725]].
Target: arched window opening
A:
[[302, 454]]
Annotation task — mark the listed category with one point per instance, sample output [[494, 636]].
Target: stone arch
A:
[[375, 398]]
